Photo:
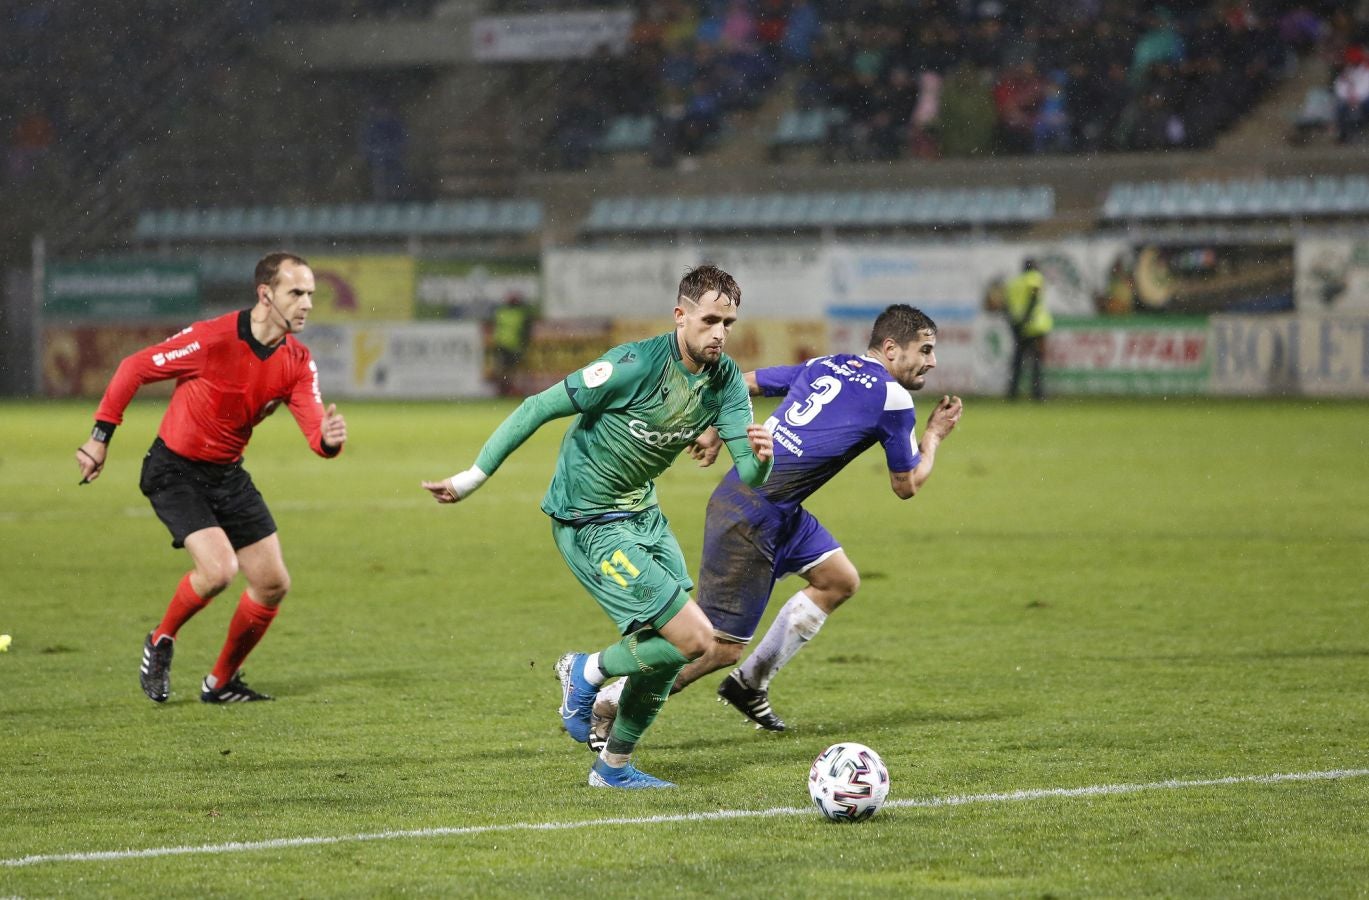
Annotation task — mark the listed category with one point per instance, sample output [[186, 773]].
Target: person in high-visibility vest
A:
[[1025, 302], [510, 329]]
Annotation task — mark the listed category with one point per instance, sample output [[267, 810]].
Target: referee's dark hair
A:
[[269, 265], [901, 322]]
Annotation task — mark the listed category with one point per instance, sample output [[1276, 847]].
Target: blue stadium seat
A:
[[847, 209], [746, 212], [627, 133], [527, 215], [1146, 200], [1247, 199], [1117, 204], [1356, 192], [598, 217], [1322, 198], [646, 215], [147, 226], [793, 211], [770, 211], [422, 219], [275, 221], [880, 208]]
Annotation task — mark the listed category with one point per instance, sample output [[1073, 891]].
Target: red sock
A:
[[183, 605], [250, 621]]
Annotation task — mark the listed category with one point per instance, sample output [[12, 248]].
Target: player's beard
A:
[[704, 354]]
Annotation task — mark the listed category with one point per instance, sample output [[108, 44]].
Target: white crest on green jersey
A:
[[598, 373]]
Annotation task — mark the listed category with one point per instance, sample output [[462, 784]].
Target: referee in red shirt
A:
[[231, 372]]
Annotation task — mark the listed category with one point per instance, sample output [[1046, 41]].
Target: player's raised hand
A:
[[762, 443], [705, 448], [442, 491], [90, 459], [946, 415], [334, 427]]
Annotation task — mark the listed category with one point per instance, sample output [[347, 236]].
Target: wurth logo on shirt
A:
[[162, 359]]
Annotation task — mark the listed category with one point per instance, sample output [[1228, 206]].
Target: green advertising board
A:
[[122, 290]]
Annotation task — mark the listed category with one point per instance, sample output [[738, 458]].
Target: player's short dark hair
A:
[[268, 267], [901, 322], [708, 277]]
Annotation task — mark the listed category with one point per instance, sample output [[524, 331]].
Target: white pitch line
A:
[[1100, 790]]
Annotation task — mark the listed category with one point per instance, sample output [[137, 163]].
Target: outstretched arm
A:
[[522, 423], [174, 357], [942, 422]]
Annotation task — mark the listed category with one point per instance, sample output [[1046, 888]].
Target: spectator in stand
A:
[[1017, 97], [738, 26], [30, 145], [967, 113], [580, 121], [1160, 43], [801, 31], [770, 27], [1302, 30], [924, 140], [688, 127], [1051, 134], [384, 146], [1351, 88]]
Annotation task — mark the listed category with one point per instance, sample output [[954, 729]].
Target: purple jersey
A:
[[835, 408]]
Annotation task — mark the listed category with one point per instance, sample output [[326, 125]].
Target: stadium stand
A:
[[820, 211], [1239, 199], [181, 146], [367, 220]]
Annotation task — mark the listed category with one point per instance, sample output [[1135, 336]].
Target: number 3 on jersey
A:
[[825, 390], [619, 561]]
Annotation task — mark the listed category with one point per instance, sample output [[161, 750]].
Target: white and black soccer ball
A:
[[848, 782]]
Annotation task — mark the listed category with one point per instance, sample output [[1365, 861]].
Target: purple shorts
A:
[[749, 544]]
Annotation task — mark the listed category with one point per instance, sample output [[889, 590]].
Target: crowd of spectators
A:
[[931, 78], [90, 90], [178, 99]]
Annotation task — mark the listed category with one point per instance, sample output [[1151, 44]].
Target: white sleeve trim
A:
[[896, 397]]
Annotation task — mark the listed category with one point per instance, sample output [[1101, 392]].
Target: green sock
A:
[[643, 652], [642, 699]]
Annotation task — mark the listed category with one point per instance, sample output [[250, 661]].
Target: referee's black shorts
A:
[[189, 496]]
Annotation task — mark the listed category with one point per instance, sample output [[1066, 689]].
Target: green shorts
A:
[[633, 567]]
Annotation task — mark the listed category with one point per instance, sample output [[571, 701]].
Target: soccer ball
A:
[[848, 782]]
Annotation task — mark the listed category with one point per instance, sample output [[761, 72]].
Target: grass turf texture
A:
[[1086, 593]]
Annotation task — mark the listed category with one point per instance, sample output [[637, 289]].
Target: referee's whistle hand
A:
[[334, 427], [90, 459]]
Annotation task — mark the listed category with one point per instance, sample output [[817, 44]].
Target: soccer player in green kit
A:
[[637, 407]]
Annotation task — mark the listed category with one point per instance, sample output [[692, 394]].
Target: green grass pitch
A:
[[1087, 595]]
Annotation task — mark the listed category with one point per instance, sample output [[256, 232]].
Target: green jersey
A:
[[638, 408]]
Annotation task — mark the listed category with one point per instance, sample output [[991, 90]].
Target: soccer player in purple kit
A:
[[835, 408]]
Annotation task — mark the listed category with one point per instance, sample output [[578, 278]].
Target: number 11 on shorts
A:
[[614, 563]]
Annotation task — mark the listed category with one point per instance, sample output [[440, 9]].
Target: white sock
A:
[[616, 760], [611, 693], [593, 674], [795, 626]]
